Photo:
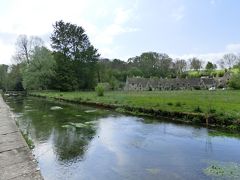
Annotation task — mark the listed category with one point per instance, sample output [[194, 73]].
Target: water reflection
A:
[[79, 142]]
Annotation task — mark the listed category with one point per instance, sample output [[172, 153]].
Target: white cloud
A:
[[6, 53], [118, 26], [178, 13], [36, 18], [233, 48], [214, 56], [213, 2]]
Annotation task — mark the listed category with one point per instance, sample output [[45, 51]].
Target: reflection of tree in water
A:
[[42, 124], [208, 146], [71, 143], [17, 103]]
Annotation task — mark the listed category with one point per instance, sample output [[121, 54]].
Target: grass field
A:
[[219, 102]]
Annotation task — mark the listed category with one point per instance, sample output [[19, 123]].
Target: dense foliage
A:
[[235, 81], [75, 64], [76, 58]]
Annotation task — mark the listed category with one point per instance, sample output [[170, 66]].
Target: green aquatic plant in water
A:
[[28, 140], [78, 125], [67, 126], [153, 171], [229, 170], [217, 133]]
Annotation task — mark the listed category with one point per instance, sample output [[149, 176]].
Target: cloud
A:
[[178, 13], [213, 2], [102, 20], [214, 56], [117, 27], [233, 48], [7, 51]]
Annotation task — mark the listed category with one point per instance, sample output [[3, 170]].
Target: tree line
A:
[[73, 63]]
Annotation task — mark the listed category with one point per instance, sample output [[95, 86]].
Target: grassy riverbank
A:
[[218, 107]]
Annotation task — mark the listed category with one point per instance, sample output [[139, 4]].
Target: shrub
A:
[[178, 104], [105, 85], [197, 88], [212, 111], [196, 120], [235, 82], [197, 109], [169, 103], [99, 90], [220, 73]]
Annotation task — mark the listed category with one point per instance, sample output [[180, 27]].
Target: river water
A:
[[80, 142]]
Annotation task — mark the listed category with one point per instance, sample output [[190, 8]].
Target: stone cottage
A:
[[154, 84]]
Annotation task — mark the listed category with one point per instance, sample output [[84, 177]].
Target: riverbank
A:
[[218, 108], [16, 160]]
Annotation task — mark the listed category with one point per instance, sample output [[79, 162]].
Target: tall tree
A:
[[40, 71], [25, 46], [152, 64], [180, 66], [228, 60], [195, 64], [3, 76], [14, 78], [72, 42], [210, 66]]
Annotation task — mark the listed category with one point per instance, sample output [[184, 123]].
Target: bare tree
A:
[[180, 66], [25, 47], [228, 60], [195, 64]]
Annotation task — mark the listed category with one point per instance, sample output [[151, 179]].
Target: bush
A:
[[197, 109], [235, 82], [220, 74], [105, 85], [212, 111], [99, 90], [178, 104], [196, 88], [196, 120]]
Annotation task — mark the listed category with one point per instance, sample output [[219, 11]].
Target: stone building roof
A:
[[139, 83], [138, 80]]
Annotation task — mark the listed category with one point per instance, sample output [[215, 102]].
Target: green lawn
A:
[[223, 102]]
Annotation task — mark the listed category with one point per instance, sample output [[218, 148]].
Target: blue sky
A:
[[122, 29]]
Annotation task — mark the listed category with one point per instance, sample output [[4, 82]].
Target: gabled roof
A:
[[138, 80]]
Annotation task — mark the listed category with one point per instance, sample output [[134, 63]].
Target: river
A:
[[80, 142]]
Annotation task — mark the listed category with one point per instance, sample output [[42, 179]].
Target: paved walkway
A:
[[16, 160]]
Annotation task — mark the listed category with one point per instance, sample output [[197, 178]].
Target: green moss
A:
[[226, 170]]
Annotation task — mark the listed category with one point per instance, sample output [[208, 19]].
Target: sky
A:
[[121, 29]]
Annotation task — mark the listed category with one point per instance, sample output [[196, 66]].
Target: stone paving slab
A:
[[10, 137], [14, 156], [16, 160], [10, 128]]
